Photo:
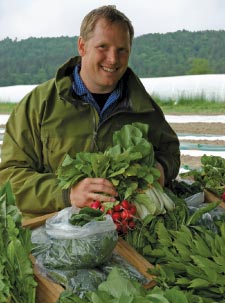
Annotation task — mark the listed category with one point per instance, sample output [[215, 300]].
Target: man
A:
[[92, 96]]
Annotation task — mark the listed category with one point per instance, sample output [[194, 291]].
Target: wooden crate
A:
[[49, 292], [210, 197]]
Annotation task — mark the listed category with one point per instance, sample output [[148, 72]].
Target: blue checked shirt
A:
[[81, 90]]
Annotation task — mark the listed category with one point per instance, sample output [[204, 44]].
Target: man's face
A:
[[105, 56]]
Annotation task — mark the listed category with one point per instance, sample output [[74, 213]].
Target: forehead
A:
[[105, 28]]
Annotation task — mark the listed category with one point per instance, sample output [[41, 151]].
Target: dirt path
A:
[[199, 128]]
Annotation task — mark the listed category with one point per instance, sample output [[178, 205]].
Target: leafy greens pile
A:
[[191, 258], [118, 288], [17, 284], [211, 175], [128, 164]]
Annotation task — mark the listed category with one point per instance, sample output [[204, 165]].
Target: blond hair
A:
[[108, 12]]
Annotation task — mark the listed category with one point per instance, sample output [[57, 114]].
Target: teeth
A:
[[111, 70]]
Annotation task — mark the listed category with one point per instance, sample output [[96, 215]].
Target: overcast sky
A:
[[22, 19]]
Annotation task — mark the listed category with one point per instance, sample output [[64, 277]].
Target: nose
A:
[[112, 56]]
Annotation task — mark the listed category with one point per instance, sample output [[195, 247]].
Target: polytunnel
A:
[[211, 87]]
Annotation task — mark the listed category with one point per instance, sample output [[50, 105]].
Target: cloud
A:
[[52, 18]]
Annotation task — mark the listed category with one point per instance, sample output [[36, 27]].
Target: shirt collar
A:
[[81, 90]]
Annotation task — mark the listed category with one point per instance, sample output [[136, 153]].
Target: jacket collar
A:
[[137, 97]]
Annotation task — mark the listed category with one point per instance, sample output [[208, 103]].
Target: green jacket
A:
[[51, 121]]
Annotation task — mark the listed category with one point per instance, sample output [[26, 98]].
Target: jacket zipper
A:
[[94, 145], [96, 126]]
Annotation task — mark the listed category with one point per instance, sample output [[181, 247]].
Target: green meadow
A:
[[183, 105]]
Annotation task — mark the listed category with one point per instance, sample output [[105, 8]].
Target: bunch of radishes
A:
[[123, 214], [223, 195]]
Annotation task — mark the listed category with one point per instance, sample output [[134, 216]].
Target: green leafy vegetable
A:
[[191, 258], [119, 289], [211, 175], [128, 164], [17, 282], [86, 215]]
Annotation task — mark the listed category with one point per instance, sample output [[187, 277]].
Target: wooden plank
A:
[[211, 197], [46, 291], [38, 221]]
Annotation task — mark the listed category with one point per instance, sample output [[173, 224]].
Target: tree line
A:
[[35, 60]]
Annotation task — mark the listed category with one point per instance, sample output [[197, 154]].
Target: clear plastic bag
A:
[[196, 199], [66, 246], [59, 227], [80, 281], [208, 218]]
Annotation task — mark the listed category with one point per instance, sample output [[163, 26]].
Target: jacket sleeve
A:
[[36, 190], [166, 145]]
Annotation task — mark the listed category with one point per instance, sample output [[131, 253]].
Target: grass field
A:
[[6, 108], [198, 106]]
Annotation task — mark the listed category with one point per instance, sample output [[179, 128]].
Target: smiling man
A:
[[92, 96], [105, 54]]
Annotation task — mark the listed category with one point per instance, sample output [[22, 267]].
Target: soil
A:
[[199, 128]]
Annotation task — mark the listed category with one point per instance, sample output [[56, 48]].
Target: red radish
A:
[[117, 207], [116, 216], [125, 215], [129, 215], [133, 209], [102, 208], [223, 196], [96, 204], [132, 224], [125, 222], [125, 204], [118, 226], [110, 212]]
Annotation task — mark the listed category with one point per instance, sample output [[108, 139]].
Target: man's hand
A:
[[89, 189], [162, 176]]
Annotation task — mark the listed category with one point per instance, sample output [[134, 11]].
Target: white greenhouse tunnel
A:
[[211, 87]]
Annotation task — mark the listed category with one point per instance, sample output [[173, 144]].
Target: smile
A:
[[110, 70]]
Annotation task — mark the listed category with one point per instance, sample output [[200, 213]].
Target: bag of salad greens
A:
[[69, 246]]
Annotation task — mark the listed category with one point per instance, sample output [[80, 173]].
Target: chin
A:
[[111, 82]]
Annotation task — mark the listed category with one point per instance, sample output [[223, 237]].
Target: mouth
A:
[[110, 70]]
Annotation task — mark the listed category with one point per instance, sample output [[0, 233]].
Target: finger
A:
[[102, 187], [101, 197], [99, 181]]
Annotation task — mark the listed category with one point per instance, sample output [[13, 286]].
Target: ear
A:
[[81, 46]]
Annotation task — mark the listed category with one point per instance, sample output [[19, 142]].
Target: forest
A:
[[35, 60]]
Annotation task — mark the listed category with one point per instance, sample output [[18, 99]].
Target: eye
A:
[[122, 50], [102, 46]]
